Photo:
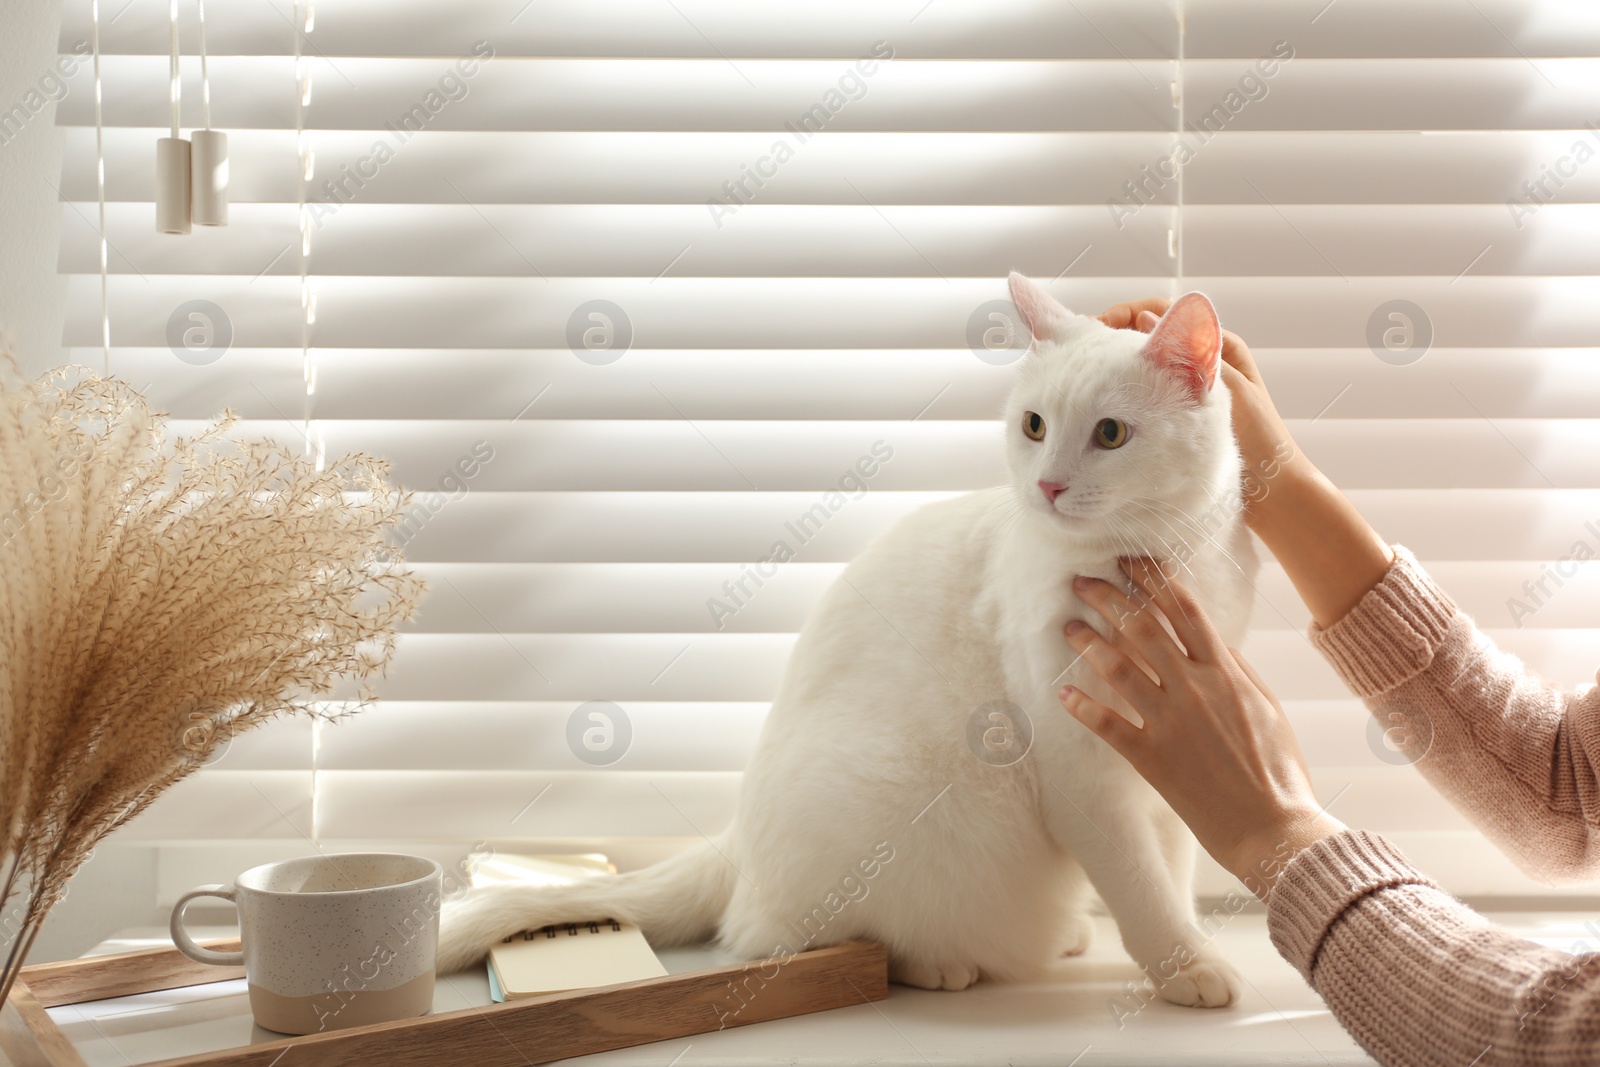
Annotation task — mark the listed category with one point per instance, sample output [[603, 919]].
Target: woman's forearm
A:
[[1418, 978], [1329, 552]]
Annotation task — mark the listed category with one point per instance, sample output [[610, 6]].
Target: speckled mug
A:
[[331, 941]]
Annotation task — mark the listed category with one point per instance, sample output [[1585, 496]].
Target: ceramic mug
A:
[[331, 941]]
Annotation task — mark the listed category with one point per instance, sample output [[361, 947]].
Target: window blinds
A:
[[625, 289]]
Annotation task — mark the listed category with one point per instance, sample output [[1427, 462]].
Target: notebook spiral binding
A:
[[571, 929]]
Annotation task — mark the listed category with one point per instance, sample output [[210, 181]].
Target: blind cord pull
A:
[[172, 153], [209, 156]]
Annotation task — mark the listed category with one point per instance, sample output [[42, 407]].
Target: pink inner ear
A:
[[1043, 313], [1187, 343]]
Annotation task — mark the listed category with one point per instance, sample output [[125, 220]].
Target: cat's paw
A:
[[1205, 983], [1078, 935], [950, 976]]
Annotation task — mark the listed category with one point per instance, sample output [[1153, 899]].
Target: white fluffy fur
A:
[[959, 604]]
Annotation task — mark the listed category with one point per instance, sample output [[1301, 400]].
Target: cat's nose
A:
[[1051, 490]]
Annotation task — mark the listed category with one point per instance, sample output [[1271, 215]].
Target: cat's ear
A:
[[1044, 314], [1187, 344]]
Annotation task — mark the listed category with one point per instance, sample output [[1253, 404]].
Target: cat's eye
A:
[[1033, 425], [1111, 433]]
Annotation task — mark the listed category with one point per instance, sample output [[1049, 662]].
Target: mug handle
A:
[[186, 945]]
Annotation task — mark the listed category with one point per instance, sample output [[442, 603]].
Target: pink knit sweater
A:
[[1413, 974]]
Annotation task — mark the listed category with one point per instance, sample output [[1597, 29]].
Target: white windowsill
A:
[[1066, 1020]]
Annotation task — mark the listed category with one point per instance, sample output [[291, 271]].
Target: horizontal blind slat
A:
[[760, 240], [816, 384], [476, 804], [1483, 167], [1385, 167], [925, 312], [1560, 592], [634, 167], [508, 93], [1289, 239], [1515, 93], [705, 29], [1458, 524], [747, 667], [671, 453], [849, 240], [1509, 29], [468, 735], [496, 735]]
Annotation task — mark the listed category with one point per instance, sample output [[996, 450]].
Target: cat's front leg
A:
[[1134, 850], [1112, 832], [1100, 812]]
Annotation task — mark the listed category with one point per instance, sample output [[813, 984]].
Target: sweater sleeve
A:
[[1419, 979], [1517, 756]]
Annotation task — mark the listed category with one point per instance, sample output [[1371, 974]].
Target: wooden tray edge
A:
[[531, 1030], [29, 1037], [122, 974]]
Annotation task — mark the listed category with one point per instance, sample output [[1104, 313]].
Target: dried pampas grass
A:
[[157, 598]]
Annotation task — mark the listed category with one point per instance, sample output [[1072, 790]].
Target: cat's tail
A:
[[674, 902]]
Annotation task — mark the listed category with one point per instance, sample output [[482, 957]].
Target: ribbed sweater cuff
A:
[[1389, 637], [1322, 881]]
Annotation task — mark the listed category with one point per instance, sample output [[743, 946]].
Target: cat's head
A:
[[1118, 435]]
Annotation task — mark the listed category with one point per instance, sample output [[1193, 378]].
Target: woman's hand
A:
[[1264, 440], [1326, 547], [1214, 742]]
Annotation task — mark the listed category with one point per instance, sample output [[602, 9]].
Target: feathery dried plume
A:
[[157, 598]]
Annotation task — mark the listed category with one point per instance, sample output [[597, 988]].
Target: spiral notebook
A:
[[554, 959]]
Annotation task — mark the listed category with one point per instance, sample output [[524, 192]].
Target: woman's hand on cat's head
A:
[[1141, 315], [1215, 742], [1264, 440]]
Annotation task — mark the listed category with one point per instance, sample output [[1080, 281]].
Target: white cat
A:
[[916, 782]]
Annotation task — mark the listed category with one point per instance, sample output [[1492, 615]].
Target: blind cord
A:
[[1177, 220], [205, 74], [175, 92], [100, 184]]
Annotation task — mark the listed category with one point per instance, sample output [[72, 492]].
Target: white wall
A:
[[117, 887], [32, 294]]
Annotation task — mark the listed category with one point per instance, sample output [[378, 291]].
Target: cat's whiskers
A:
[[1171, 510], [1187, 520], [1130, 542], [1185, 524], [1138, 537], [1135, 542], [1012, 510], [1180, 558], [1204, 535], [1138, 541], [1175, 557], [1169, 547]]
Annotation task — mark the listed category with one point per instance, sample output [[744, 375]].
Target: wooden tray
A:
[[519, 1032]]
